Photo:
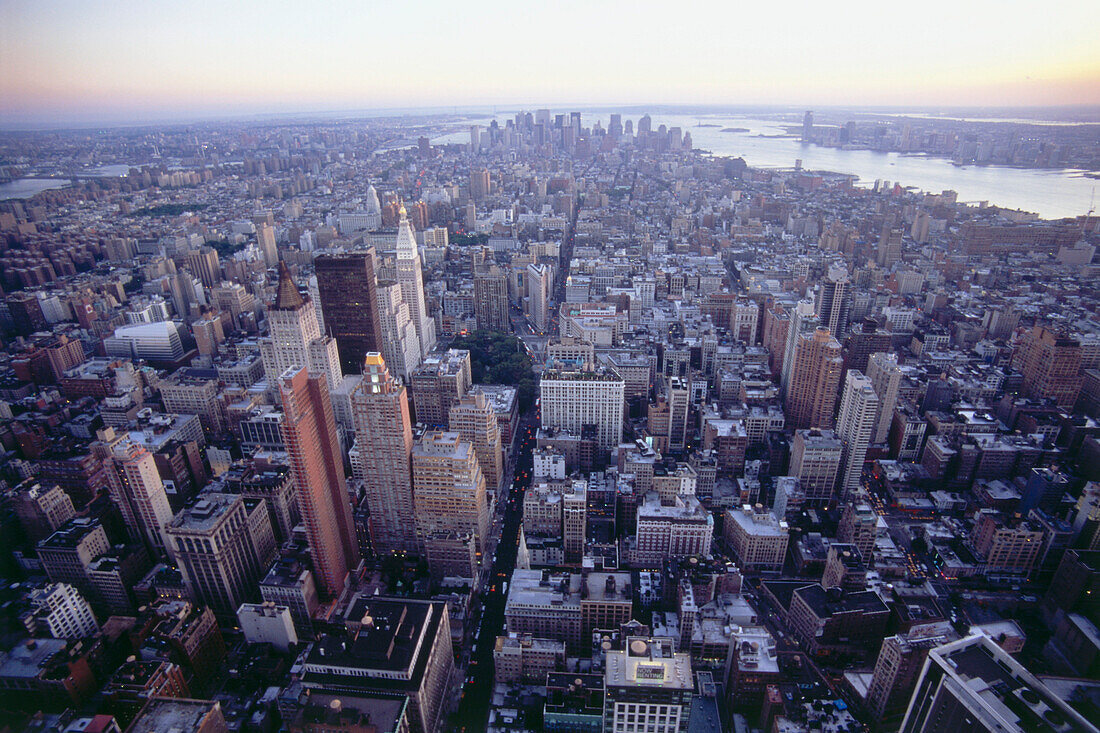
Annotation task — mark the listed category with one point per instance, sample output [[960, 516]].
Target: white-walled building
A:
[[267, 623], [571, 400], [64, 611]]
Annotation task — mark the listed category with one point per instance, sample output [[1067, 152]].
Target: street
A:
[[477, 690]]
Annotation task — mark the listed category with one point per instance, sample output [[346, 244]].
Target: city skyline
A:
[[141, 63], [568, 417]]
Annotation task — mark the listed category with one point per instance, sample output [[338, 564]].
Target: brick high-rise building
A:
[[774, 330], [347, 288], [474, 419], [678, 395], [136, 487], [204, 264], [861, 343], [309, 432], [889, 247], [438, 383], [232, 298], [265, 238], [899, 664], [1006, 545], [834, 300], [859, 526], [814, 382], [449, 488], [479, 184], [26, 313], [802, 320], [382, 456], [1051, 365]]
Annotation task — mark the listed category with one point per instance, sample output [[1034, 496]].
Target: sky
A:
[[124, 60]]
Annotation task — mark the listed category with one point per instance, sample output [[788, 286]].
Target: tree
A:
[[500, 358]]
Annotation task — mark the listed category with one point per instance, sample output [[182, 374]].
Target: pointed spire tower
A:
[[287, 295], [294, 336], [411, 279]]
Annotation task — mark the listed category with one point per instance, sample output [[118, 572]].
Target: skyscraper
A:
[[899, 664], [573, 399], [203, 264], [491, 299], [137, 489], [815, 460], [538, 291], [834, 300], [889, 247], [856, 426], [382, 456], [346, 284], [678, 394], [1051, 364], [294, 338], [479, 184], [438, 383], [309, 432], [449, 488], [411, 278], [474, 419], [399, 343], [814, 381], [223, 546], [802, 320], [265, 237], [885, 376], [975, 686], [864, 341]]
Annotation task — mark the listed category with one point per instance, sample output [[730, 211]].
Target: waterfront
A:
[[1050, 193], [25, 188]]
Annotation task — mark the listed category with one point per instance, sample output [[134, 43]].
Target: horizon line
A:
[[43, 123]]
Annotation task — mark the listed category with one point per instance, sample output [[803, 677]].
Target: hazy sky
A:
[[73, 60]]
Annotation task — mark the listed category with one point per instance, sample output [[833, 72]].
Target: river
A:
[[25, 188], [1050, 193]]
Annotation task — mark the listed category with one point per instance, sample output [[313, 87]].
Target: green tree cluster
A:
[[167, 209], [465, 240], [500, 358]]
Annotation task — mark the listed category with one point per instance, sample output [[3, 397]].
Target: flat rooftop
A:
[[648, 663], [162, 714], [1006, 689]]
